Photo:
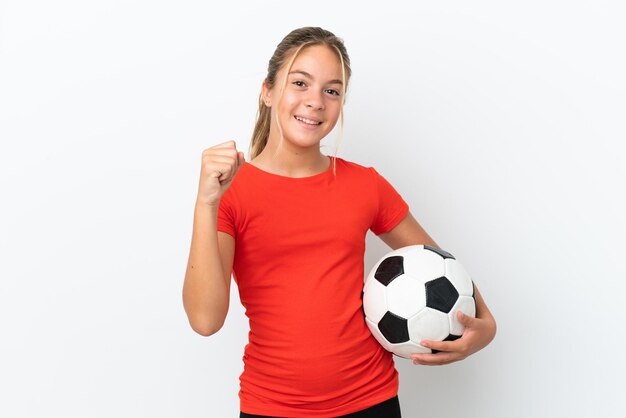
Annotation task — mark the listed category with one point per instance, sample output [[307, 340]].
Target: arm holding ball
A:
[[479, 331]]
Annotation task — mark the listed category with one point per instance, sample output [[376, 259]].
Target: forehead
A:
[[319, 61]]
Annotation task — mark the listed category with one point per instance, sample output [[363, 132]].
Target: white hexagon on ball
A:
[[428, 324], [406, 296]]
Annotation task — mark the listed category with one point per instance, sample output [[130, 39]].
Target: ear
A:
[[266, 93]]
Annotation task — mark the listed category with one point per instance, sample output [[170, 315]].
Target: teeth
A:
[[310, 122]]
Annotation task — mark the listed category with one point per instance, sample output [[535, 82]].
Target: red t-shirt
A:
[[299, 268]]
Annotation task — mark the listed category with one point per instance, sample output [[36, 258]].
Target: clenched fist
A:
[[220, 164]]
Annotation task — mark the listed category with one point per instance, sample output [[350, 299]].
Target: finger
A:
[[442, 345], [224, 159], [220, 152], [223, 171], [225, 164], [228, 144], [435, 359], [240, 159], [224, 156]]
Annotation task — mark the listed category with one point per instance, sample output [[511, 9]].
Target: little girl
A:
[[290, 225]]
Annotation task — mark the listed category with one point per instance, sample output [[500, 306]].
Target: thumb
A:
[[464, 319], [241, 157]]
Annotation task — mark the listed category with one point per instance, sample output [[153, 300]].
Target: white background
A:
[[500, 123]]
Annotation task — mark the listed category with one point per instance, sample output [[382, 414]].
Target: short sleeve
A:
[[391, 206], [226, 215]]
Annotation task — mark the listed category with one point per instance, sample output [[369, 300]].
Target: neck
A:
[[292, 161]]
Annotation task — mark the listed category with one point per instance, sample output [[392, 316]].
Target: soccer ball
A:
[[413, 294]]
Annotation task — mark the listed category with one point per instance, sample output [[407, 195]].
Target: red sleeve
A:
[[391, 206], [226, 214]]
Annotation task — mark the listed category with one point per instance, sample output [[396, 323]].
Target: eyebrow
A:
[[304, 73]]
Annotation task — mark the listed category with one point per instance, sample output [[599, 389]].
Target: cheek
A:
[[334, 110], [286, 108]]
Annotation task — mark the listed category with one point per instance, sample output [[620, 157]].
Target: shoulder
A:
[[357, 173], [243, 179], [354, 167], [368, 176]]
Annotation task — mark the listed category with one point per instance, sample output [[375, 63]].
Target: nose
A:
[[314, 100]]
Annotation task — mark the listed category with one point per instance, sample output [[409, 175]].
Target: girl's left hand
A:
[[477, 334]]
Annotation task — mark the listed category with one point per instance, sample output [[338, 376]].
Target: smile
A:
[[307, 121]]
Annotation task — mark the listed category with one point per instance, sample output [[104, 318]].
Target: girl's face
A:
[[311, 103]]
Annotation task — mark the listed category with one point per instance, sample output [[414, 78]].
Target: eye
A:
[[299, 85], [333, 92]]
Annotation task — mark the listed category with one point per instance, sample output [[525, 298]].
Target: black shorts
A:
[[387, 409]]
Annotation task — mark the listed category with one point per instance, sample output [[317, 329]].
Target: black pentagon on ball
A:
[[394, 328], [441, 294], [389, 269], [450, 337], [439, 251]]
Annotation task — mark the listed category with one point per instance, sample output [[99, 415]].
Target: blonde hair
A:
[[289, 48]]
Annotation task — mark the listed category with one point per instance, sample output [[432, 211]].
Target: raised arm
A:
[[206, 290]]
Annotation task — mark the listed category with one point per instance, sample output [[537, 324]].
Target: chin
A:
[[304, 142]]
